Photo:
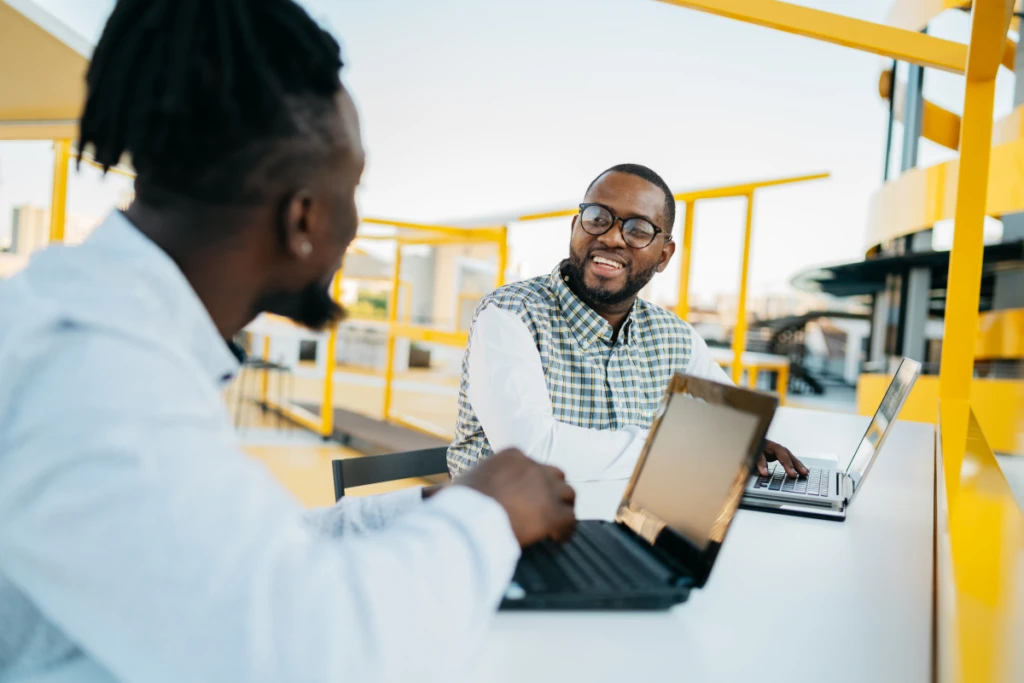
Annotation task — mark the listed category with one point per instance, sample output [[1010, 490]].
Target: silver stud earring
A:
[[306, 248]]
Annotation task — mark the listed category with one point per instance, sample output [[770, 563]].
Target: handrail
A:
[[979, 557]]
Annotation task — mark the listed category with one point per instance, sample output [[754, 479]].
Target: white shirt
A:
[[507, 390], [138, 542]]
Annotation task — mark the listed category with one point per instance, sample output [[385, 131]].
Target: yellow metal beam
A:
[[1010, 55], [989, 23], [938, 125], [330, 363], [429, 335], [492, 231], [739, 335], [683, 305], [502, 266], [1001, 336], [744, 189], [722, 192], [59, 193], [389, 370], [445, 240], [923, 196], [469, 237], [894, 43], [265, 375]]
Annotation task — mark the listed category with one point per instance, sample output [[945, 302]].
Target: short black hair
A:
[[210, 97], [650, 176]]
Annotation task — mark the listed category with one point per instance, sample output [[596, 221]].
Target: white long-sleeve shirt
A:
[[138, 543], [535, 341]]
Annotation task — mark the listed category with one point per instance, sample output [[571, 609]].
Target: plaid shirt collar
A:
[[584, 322]]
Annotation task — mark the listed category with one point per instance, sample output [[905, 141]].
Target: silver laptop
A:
[[828, 491]]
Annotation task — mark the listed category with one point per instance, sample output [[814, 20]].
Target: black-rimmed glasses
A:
[[637, 232]]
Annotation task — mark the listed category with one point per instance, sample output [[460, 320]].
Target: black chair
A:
[[374, 469]]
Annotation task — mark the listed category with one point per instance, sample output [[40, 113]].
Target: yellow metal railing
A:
[[980, 532], [59, 194], [979, 549], [323, 423]]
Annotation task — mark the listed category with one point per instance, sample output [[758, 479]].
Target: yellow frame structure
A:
[[978, 601], [422, 234]]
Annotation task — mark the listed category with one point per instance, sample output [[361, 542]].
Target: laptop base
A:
[[787, 508], [604, 567], [783, 504]]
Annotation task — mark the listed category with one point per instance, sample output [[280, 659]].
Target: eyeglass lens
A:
[[636, 232]]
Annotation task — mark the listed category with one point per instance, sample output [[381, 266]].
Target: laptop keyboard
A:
[[816, 483], [598, 558]]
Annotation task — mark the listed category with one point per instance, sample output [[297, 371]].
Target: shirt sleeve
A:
[[353, 515], [702, 364], [134, 522], [510, 398]]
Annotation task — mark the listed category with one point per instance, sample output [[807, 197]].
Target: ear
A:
[[296, 225], [666, 255]]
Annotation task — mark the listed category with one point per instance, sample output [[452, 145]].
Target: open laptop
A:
[[673, 516], [828, 491]]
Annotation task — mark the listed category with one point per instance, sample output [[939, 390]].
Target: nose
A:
[[613, 238]]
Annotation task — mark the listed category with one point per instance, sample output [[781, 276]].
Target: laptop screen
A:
[[691, 474], [690, 471], [885, 416]]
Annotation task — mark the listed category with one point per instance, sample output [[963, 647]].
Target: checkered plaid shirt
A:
[[593, 382]]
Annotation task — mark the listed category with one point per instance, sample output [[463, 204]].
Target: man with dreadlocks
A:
[[137, 542]]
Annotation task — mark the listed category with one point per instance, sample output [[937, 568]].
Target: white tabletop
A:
[[789, 599]]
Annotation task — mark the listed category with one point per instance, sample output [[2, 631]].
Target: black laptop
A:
[[673, 516]]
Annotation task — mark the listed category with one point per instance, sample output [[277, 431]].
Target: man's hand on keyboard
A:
[[773, 451], [538, 501]]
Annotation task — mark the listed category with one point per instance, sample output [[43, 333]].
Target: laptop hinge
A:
[[643, 524], [849, 485]]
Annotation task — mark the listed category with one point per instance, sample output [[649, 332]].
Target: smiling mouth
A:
[[608, 263]]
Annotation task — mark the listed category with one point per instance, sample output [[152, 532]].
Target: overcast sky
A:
[[474, 109]]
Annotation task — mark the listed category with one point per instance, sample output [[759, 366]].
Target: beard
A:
[[601, 296], [312, 307]]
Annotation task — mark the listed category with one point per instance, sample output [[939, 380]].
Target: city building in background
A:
[[30, 229]]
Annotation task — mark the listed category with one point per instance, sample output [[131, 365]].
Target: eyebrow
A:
[[627, 217]]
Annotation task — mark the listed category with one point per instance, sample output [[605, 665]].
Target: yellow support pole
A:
[[739, 335], [59, 195], [499, 279], [989, 22], [968, 246], [327, 405], [265, 375], [389, 370], [683, 306]]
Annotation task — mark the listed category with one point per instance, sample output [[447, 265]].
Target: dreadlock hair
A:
[[650, 176], [214, 100]]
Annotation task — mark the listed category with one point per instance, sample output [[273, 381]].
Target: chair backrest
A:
[[374, 469]]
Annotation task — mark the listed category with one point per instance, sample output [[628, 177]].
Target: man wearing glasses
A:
[[571, 367]]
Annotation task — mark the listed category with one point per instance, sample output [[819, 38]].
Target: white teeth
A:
[[607, 262]]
